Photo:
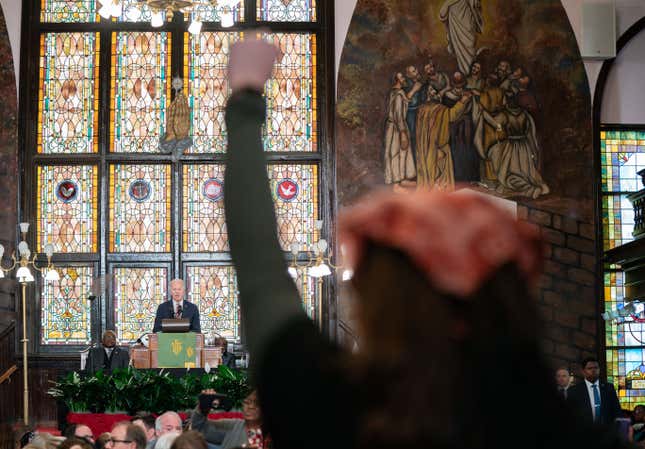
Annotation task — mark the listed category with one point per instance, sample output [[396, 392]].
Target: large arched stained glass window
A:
[[126, 215], [622, 153]]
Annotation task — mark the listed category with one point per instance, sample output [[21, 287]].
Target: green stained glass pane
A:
[[137, 293], [621, 158], [627, 368], [204, 224], [140, 91], [139, 208], [286, 10], [208, 88], [68, 11], [65, 311], [66, 214], [291, 95], [214, 290], [68, 96]]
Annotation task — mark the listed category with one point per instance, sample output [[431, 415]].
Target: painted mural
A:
[[490, 94]]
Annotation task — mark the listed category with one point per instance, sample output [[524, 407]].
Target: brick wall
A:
[[567, 297]]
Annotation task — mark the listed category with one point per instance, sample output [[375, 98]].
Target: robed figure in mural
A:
[[464, 21], [398, 158]]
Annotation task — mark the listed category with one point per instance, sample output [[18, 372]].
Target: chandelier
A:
[[114, 8]]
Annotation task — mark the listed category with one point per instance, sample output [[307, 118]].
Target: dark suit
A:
[[167, 310], [97, 359], [578, 399], [228, 359]]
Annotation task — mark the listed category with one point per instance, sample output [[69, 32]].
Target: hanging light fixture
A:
[[114, 8]]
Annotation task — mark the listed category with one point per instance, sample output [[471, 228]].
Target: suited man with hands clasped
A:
[[108, 356], [593, 400], [177, 307]]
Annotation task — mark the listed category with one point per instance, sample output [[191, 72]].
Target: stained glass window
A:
[[205, 12], [286, 10], [137, 293], [214, 290], [291, 95], [68, 11], [66, 199], [622, 154], [140, 91], [68, 98], [140, 208], [136, 11], [203, 217], [65, 311], [207, 55], [310, 289]]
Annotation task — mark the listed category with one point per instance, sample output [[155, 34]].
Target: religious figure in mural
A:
[[398, 158], [412, 89], [464, 21]]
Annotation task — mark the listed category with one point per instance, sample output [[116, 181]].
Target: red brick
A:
[[567, 352], [582, 277], [548, 251], [566, 287], [522, 212], [553, 236], [582, 245], [557, 333], [582, 308], [547, 346], [588, 262], [589, 326], [540, 217], [587, 231], [554, 268], [553, 298], [545, 282], [567, 256], [588, 294], [566, 224], [567, 319], [584, 341], [546, 312]]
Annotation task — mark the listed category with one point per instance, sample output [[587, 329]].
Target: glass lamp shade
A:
[[24, 275], [52, 275], [348, 274], [319, 270], [293, 273], [227, 20], [24, 227], [1, 251], [116, 9], [49, 250], [195, 27], [105, 11], [1, 274], [157, 20]]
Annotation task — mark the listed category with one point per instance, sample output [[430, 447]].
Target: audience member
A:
[[190, 440], [562, 381], [593, 400], [444, 302], [75, 443], [165, 441], [126, 435], [228, 358], [102, 440], [168, 422], [230, 433], [638, 423], [44, 441], [79, 431], [147, 424]]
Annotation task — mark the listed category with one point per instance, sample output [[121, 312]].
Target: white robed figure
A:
[[464, 20]]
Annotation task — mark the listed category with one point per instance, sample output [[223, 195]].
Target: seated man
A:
[[228, 358], [108, 356], [177, 307]]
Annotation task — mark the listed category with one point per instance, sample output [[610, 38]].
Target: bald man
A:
[[177, 307], [108, 356]]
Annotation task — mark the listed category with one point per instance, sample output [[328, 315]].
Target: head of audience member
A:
[[44, 441], [168, 422], [126, 435], [102, 440], [639, 414], [166, 440], [109, 339], [190, 440], [459, 270], [80, 430], [251, 410], [75, 443], [590, 369], [177, 290], [147, 424], [562, 377]]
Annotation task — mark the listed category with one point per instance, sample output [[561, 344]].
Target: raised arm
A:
[[268, 296]]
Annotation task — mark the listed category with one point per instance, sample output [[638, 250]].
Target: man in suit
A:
[[563, 381], [595, 401], [228, 358], [108, 356], [177, 307]]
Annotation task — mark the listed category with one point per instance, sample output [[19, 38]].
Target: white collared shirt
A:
[[591, 399], [175, 306], [108, 351]]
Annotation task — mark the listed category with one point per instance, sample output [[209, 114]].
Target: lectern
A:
[[149, 357]]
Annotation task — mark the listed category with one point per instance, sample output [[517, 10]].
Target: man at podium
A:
[[177, 308]]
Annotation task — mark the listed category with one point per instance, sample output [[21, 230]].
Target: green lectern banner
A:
[[176, 350]]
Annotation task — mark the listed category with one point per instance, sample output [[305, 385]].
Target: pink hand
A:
[[250, 63]]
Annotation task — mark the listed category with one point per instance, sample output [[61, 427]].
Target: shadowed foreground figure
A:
[[445, 312]]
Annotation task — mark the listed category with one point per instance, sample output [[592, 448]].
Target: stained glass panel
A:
[[139, 208], [291, 95], [137, 293], [286, 10], [617, 220], [140, 91], [204, 224], [214, 290], [207, 13], [136, 11], [68, 11], [622, 154], [65, 310], [66, 213], [68, 96], [295, 195], [207, 59], [626, 369], [310, 289]]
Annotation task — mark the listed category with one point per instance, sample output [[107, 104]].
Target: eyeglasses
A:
[[112, 440]]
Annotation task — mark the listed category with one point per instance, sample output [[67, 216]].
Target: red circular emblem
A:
[[287, 190], [66, 190], [213, 189]]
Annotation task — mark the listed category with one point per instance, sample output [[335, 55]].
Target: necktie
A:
[[563, 393], [178, 312], [596, 400]]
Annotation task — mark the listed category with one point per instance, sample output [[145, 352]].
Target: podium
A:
[[150, 357]]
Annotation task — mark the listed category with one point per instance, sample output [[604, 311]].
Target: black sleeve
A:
[[195, 324], [268, 296], [157, 325]]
